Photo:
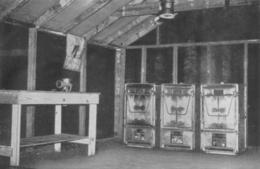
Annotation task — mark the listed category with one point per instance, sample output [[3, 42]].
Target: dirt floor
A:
[[113, 155]]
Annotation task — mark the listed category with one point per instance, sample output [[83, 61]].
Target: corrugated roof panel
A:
[[31, 10]]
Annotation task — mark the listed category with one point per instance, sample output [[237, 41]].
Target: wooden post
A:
[[119, 91], [57, 126], [143, 65], [245, 79], [31, 79], [83, 82], [15, 134], [175, 65], [92, 129]]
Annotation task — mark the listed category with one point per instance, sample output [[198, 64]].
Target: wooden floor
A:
[[113, 155]]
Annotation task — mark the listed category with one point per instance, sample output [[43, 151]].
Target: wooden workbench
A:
[[19, 98]]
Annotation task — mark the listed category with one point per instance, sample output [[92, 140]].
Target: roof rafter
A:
[[137, 32], [94, 6], [108, 37], [52, 12], [100, 27], [117, 26], [71, 14], [12, 7], [97, 18]]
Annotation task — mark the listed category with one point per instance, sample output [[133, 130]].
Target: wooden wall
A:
[[214, 64]]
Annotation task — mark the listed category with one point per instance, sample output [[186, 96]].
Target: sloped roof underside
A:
[[106, 22]]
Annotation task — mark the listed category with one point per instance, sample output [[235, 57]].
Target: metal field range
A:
[[177, 129], [223, 129], [219, 114], [139, 122]]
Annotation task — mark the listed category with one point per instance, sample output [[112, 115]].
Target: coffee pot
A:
[[64, 84]]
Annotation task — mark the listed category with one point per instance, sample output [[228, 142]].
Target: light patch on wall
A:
[[74, 49]]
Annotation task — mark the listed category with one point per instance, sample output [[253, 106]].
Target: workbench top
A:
[[47, 97]]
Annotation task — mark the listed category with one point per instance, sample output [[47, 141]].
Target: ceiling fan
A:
[[166, 10]]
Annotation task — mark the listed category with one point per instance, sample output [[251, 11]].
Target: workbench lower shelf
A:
[[52, 139]]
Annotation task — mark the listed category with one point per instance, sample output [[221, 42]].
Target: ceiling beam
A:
[[109, 46], [120, 30], [147, 8], [94, 6], [52, 12], [100, 27], [137, 32], [12, 7], [97, 18], [151, 8]]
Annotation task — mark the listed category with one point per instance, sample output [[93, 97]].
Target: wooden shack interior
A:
[[126, 41]]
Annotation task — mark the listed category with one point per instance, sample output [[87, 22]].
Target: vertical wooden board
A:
[[31, 79], [32, 52], [92, 129], [57, 125], [175, 65], [245, 93], [119, 91], [15, 135], [143, 65], [83, 79]]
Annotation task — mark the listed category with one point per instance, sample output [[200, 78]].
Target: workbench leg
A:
[[57, 126], [15, 134], [82, 120], [92, 128]]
